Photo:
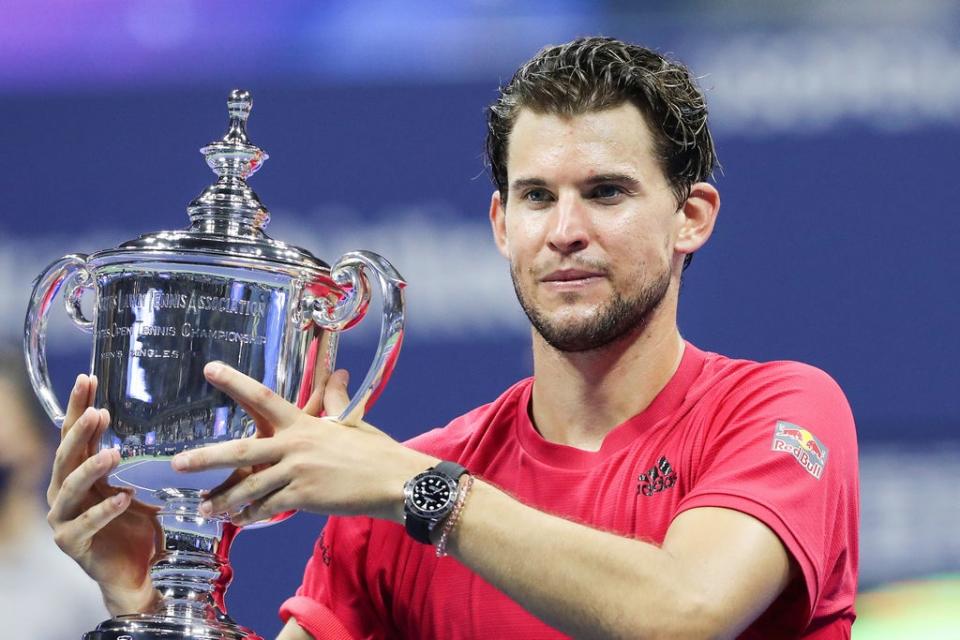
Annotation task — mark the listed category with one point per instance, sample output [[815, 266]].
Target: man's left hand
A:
[[303, 462]]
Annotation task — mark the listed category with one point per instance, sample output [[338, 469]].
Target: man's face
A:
[[589, 225]]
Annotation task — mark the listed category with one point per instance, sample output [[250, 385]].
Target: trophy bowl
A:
[[166, 304]]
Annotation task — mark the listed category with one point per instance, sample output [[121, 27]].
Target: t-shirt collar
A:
[[664, 405]]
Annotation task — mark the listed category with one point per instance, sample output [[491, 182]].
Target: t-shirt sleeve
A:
[[782, 448], [332, 602]]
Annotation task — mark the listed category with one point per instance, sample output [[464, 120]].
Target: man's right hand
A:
[[110, 535]]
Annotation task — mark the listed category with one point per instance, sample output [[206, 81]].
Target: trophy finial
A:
[[239, 104], [234, 155], [229, 205]]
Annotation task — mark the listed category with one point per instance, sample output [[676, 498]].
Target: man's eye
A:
[[606, 191], [537, 195]]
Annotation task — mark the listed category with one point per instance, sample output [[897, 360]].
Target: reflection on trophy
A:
[[167, 303]]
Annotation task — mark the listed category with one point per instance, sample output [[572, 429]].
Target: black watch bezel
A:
[[423, 480], [420, 522]]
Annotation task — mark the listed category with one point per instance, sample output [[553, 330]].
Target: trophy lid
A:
[[227, 219]]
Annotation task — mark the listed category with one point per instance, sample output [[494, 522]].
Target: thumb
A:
[[335, 398]]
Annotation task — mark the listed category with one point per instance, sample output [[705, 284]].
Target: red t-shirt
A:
[[773, 440]]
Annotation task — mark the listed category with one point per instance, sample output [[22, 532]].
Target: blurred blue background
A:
[[838, 127]]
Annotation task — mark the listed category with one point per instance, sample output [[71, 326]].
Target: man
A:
[[635, 487]]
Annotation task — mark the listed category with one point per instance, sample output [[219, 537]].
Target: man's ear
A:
[[498, 223], [699, 212]]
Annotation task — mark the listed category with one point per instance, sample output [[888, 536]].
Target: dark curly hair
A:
[[592, 74]]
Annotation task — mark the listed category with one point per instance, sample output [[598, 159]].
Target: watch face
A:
[[431, 494]]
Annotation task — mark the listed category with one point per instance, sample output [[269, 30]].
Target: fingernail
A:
[[344, 376], [93, 379], [76, 384], [102, 458], [180, 461], [206, 507], [119, 499], [213, 369]]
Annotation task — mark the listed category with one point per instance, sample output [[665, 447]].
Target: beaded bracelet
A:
[[451, 521]]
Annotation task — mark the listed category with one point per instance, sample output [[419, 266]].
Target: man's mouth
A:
[[563, 278]]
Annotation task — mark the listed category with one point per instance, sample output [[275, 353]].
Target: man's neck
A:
[[578, 398]]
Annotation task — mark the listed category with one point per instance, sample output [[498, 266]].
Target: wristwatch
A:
[[429, 497]]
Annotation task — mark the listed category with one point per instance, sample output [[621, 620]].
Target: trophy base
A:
[[190, 575], [149, 627]]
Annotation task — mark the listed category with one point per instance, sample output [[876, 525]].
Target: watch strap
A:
[[450, 469], [419, 528]]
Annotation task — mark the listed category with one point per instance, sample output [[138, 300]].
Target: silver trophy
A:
[[167, 303]]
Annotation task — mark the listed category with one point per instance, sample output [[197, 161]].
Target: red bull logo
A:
[[808, 450]]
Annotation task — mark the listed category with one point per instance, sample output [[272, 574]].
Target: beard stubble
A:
[[616, 318]]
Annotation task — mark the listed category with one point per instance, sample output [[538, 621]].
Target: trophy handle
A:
[[350, 272], [70, 269]]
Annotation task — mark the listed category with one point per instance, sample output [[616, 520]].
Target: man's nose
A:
[[569, 226]]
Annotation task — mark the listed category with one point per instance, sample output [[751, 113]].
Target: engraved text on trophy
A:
[[155, 331]]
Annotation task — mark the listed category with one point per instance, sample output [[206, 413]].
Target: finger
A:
[[264, 428], [251, 395], [253, 487], [235, 478], [263, 509], [93, 442], [226, 455], [80, 398], [335, 397], [69, 501], [73, 450], [75, 534], [339, 401], [96, 440], [92, 389], [314, 404]]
